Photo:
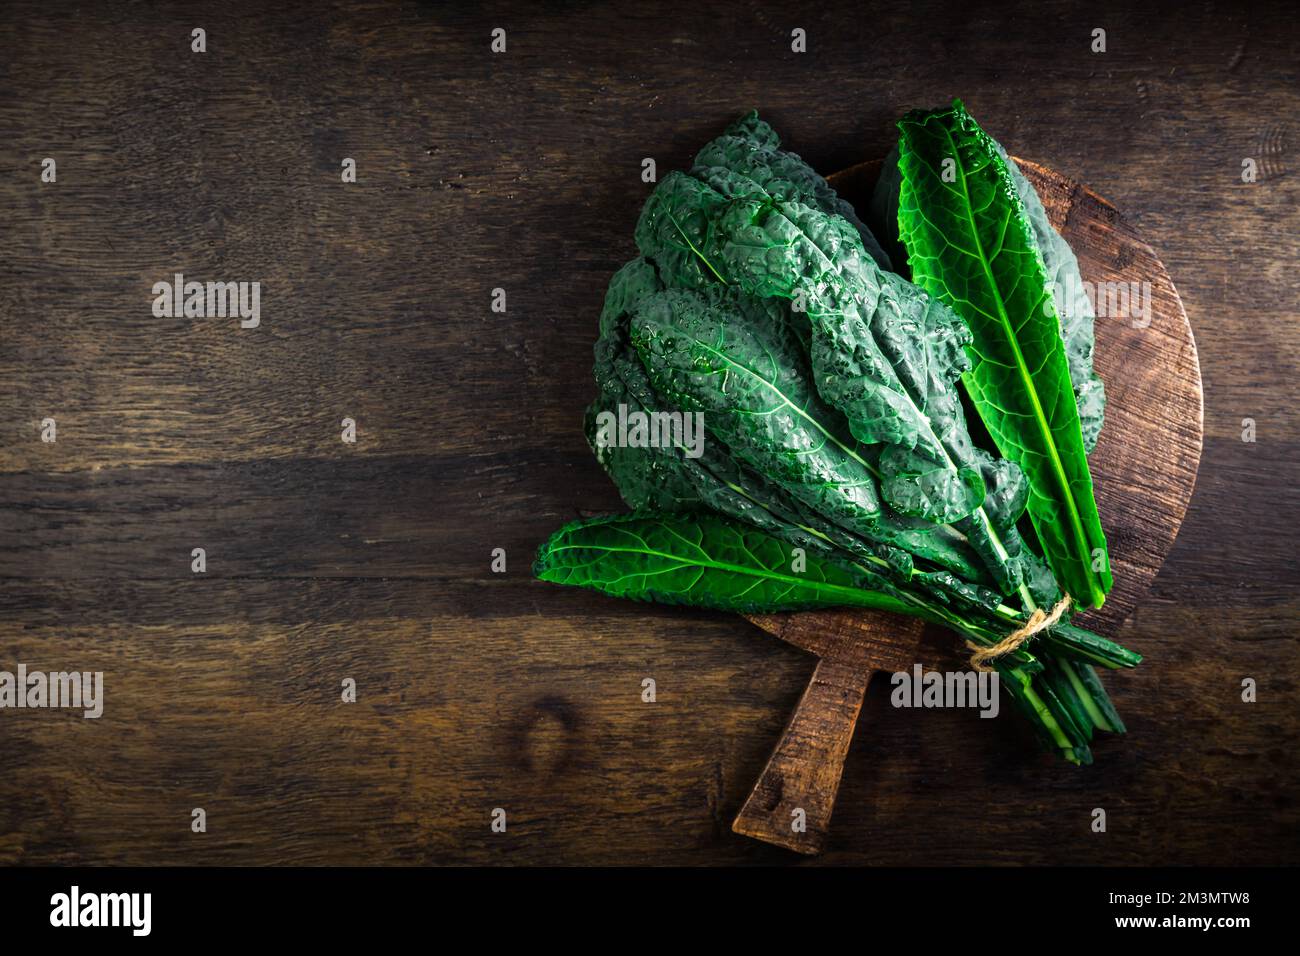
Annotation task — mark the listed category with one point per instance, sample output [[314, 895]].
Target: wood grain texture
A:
[[803, 774], [522, 171], [792, 801]]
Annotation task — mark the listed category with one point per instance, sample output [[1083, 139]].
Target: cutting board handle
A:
[[803, 773]]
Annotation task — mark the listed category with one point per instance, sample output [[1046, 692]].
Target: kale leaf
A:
[[970, 243]]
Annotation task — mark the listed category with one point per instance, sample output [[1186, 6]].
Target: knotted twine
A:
[[1038, 621]]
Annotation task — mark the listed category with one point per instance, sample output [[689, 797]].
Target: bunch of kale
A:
[[833, 422]]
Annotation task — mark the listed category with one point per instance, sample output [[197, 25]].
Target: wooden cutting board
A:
[[1143, 469]]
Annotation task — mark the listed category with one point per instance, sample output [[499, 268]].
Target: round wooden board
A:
[[1144, 466]]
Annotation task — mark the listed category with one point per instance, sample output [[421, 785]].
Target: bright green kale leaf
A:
[[970, 243], [707, 560], [701, 560], [1073, 307]]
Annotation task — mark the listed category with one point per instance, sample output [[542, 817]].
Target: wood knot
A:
[[546, 735]]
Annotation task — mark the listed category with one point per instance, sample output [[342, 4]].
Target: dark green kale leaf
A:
[[748, 379], [668, 479], [882, 353], [883, 213], [752, 148]]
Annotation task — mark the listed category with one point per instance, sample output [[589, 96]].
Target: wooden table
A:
[[371, 561]]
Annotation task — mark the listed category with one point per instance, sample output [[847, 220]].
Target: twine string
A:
[[1038, 622]]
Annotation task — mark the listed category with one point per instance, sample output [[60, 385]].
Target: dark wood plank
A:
[[522, 171]]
